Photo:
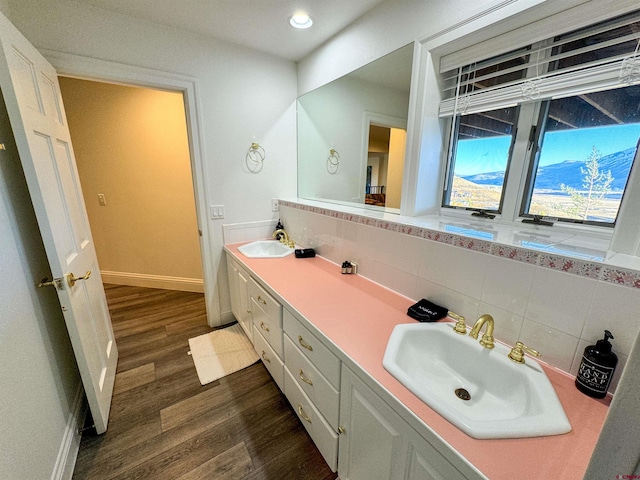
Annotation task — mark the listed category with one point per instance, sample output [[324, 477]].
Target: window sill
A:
[[572, 249]]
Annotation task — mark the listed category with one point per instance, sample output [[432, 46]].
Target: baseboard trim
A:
[[154, 281], [70, 446], [225, 318]]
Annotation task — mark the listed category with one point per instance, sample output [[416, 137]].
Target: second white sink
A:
[[265, 249], [478, 390]]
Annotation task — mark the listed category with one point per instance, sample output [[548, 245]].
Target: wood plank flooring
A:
[[165, 425]]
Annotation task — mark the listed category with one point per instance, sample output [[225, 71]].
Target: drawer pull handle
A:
[[303, 415], [304, 344], [261, 300], [264, 327], [304, 378], [264, 357]]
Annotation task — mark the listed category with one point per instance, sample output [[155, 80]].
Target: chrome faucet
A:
[[284, 238], [487, 338]]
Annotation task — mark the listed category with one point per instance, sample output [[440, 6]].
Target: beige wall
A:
[[397, 142], [131, 146]]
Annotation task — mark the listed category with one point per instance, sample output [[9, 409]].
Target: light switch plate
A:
[[217, 211], [274, 204]]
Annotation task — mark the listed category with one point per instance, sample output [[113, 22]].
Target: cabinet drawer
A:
[[269, 358], [321, 357], [269, 329], [313, 383], [319, 430], [269, 305]]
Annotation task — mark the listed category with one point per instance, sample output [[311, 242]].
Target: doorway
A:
[[132, 152], [385, 166]]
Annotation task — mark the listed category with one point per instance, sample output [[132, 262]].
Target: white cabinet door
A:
[[426, 463], [244, 305], [239, 293], [377, 444], [371, 446]]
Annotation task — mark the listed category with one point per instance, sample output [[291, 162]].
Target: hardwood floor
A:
[[165, 425]]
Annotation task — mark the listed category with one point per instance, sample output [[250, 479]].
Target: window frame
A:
[[450, 167], [518, 188]]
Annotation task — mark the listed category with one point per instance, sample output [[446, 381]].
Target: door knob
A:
[[71, 279]]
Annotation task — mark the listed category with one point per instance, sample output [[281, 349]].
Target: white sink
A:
[[265, 249], [507, 400]]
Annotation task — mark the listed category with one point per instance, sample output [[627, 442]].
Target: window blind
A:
[[600, 57]]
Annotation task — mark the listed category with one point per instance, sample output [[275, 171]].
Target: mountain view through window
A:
[[579, 170]]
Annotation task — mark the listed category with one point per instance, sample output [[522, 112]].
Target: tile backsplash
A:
[[247, 232], [553, 304]]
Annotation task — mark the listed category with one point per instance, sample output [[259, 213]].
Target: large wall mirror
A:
[[352, 135]]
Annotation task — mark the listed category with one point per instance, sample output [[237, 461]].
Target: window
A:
[[583, 156], [480, 159], [578, 138]]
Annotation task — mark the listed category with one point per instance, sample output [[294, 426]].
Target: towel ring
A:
[[255, 157], [333, 161]]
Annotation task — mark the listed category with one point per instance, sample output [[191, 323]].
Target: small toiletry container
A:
[[597, 367]]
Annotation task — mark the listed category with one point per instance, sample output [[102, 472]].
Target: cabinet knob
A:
[[341, 430]]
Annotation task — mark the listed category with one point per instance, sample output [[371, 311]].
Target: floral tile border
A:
[[515, 253], [582, 268]]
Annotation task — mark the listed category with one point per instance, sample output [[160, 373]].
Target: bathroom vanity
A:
[[322, 336]]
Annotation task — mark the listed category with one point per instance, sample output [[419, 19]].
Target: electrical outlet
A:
[[274, 205], [102, 201], [217, 211]]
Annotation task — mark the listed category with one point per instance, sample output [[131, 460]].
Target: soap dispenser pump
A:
[[279, 226], [597, 367]]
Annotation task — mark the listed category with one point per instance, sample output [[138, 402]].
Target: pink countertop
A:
[[358, 315]]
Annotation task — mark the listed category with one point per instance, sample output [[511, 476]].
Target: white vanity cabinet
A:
[[239, 292], [270, 358], [267, 316], [266, 312], [377, 444], [311, 383], [362, 434]]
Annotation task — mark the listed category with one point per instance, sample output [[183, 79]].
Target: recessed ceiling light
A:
[[300, 20]]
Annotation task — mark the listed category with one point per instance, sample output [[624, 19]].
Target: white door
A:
[[32, 95]]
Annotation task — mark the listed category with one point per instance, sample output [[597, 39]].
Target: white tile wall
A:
[[555, 312], [248, 232], [561, 301]]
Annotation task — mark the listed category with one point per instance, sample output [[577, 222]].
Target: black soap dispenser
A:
[[597, 367], [279, 226]]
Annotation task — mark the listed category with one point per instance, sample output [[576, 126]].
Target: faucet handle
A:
[[517, 353], [460, 326]]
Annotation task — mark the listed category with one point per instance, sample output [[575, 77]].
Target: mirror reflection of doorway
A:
[[385, 165]]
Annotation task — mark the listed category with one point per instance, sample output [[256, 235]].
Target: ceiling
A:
[[259, 24]]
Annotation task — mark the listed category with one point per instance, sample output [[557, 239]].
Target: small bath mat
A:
[[221, 352]]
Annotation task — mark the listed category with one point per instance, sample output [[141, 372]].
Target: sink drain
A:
[[462, 394]]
